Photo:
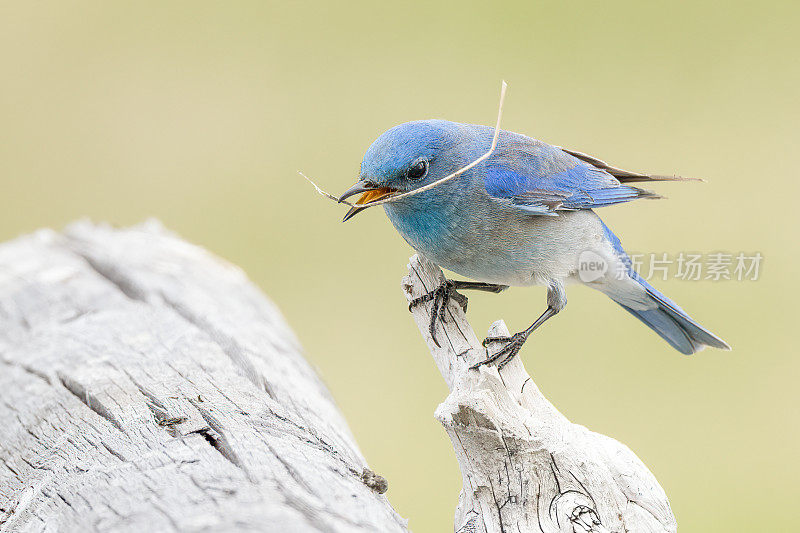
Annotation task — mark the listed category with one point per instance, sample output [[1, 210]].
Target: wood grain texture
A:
[[525, 467], [146, 385]]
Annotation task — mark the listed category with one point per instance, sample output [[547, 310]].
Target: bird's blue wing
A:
[[542, 179]]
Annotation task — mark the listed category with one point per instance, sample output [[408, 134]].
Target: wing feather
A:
[[542, 179]]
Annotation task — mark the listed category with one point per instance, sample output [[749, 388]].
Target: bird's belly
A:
[[517, 265], [510, 250]]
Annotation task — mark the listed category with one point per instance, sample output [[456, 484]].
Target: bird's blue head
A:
[[407, 157]]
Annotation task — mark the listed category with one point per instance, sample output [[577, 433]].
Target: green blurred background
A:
[[200, 113]]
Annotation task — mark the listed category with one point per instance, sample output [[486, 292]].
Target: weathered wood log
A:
[[525, 467], [146, 385]]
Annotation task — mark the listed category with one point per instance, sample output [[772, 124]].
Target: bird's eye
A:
[[417, 170]]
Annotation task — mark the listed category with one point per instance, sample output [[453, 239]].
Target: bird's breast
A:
[[475, 240]]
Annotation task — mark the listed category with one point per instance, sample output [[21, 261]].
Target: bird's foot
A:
[[506, 353], [441, 295]]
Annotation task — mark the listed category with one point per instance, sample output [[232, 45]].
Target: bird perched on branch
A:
[[522, 216]]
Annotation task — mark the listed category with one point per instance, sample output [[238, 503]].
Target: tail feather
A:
[[665, 317], [673, 324]]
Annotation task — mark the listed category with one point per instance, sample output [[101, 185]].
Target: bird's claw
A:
[[421, 300], [489, 340], [441, 295], [513, 345]]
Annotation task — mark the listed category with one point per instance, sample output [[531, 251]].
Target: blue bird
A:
[[523, 216]]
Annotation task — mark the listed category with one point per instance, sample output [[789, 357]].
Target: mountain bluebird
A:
[[523, 216]]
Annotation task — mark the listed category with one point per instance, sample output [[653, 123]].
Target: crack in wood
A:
[[89, 400], [215, 436], [28, 369], [113, 452], [113, 276]]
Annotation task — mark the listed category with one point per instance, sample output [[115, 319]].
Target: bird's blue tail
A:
[[666, 318], [673, 324]]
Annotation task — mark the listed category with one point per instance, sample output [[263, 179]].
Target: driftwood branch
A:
[[146, 385], [525, 467]]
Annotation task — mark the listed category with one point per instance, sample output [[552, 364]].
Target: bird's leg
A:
[[556, 300], [442, 294]]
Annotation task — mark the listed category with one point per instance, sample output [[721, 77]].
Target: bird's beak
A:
[[371, 194]]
